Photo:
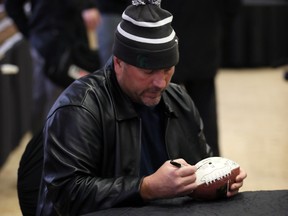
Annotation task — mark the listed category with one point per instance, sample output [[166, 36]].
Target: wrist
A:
[[145, 191]]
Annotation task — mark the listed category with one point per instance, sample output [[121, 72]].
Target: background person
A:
[[51, 27], [200, 26], [111, 11]]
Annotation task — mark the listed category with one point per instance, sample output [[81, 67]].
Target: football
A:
[[214, 176]]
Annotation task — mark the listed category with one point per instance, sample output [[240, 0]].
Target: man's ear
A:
[[117, 63]]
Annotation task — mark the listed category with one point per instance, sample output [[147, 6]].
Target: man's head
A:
[[143, 86], [145, 50]]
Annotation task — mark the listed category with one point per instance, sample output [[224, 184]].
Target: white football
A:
[[214, 176]]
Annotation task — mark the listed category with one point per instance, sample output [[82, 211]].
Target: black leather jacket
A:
[[92, 145]]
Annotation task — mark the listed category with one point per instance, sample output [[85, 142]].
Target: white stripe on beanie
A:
[[146, 40], [147, 24]]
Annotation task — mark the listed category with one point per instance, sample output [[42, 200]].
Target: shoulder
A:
[[178, 92], [86, 93], [179, 100]]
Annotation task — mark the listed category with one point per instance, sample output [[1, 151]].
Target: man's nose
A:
[[160, 79]]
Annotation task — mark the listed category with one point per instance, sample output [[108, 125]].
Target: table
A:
[[249, 203]]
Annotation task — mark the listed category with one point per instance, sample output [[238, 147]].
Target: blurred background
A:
[[252, 98]]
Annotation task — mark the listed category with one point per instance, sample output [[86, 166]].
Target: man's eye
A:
[[148, 71], [167, 70]]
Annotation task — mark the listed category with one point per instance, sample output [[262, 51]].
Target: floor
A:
[[253, 126]]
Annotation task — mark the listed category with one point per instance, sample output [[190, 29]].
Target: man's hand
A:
[[91, 18], [234, 188], [169, 181]]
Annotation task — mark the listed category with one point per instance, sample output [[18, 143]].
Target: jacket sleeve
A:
[[15, 10], [73, 145]]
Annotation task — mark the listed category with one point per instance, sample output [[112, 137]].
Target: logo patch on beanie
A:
[[142, 61]]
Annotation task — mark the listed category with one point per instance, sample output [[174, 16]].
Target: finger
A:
[[181, 161], [236, 185], [241, 176], [187, 187], [232, 193], [187, 180], [185, 175]]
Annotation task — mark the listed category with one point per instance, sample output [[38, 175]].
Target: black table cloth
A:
[[252, 203]]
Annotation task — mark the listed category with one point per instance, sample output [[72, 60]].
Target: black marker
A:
[[176, 164]]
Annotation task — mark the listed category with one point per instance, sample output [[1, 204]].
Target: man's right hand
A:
[[169, 181]]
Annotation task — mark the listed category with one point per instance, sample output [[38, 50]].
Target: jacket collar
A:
[[124, 108]]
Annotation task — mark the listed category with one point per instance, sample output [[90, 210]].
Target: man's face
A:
[[143, 86]]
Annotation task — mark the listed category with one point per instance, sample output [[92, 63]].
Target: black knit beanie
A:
[[145, 38]]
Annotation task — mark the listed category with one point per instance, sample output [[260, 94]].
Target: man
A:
[[109, 137]]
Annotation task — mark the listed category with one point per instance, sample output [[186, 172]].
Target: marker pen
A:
[[176, 164]]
